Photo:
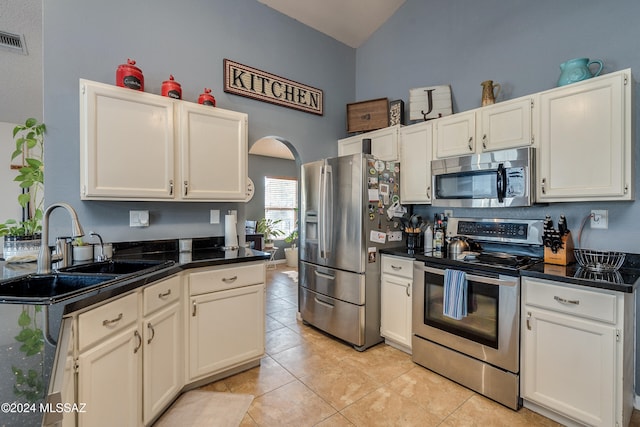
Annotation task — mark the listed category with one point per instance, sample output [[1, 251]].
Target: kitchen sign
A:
[[256, 84]]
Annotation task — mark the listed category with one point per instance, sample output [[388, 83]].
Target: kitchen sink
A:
[[118, 267], [50, 285]]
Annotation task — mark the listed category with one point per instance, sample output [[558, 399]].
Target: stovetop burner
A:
[[506, 259]]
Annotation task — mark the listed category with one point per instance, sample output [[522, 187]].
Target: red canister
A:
[[171, 88], [206, 98], [128, 75]]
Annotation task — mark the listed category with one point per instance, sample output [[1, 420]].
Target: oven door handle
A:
[[476, 278]]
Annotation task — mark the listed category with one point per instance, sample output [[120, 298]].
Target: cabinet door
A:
[[416, 153], [126, 143], [109, 381], [213, 153], [585, 144], [384, 143], [455, 135], [226, 329], [162, 360], [506, 125], [569, 365], [352, 145], [396, 309]]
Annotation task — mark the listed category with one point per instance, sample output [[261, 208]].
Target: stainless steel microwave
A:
[[501, 178]]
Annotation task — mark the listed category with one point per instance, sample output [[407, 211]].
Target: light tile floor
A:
[[307, 378]]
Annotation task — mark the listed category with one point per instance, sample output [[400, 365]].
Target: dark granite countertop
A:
[[206, 252], [623, 280]]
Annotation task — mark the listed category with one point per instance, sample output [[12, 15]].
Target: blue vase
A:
[[576, 70]]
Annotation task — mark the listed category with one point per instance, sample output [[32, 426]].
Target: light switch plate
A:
[[214, 216], [138, 218], [600, 218]]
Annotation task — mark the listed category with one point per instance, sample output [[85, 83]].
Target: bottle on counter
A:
[[428, 240], [438, 237]]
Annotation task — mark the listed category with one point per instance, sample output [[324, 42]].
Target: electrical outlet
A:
[[600, 218], [138, 218], [214, 216]]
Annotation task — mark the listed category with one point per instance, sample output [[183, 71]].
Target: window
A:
[[281, 201]]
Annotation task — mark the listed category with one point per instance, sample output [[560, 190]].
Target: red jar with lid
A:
[[206, 98], [128, 75], [171, 88]]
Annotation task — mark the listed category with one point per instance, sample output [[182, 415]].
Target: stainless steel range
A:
[[480, 349]]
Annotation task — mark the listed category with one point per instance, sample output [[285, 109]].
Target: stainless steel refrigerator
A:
[[346, 209]]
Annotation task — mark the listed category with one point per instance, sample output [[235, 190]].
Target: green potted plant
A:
[[291, 253], [269, 228], [22, 237]]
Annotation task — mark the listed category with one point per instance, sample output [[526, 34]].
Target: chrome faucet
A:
[[44, 257], [102, 256]]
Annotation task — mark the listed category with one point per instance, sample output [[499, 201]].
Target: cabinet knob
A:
[[484, 141], [137, 335], [171, 187], [408, 289], [470, 143], [544, 182], [153, 332]]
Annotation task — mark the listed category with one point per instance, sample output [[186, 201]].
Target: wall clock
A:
[[250, 190]]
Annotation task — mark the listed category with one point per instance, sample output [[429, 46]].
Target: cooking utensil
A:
[[457, 245]]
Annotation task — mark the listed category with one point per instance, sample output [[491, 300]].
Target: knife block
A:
[[564, 255]]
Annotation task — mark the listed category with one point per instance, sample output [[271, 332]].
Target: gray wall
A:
[[89, 39], [519, 44]]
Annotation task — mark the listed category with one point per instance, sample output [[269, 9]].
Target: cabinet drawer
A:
[[397, 266], [584, 303], [204, 281], [161, 294], [96, 324]]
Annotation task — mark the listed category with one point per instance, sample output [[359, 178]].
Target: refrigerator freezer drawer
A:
[[338, 318], [342, 285]]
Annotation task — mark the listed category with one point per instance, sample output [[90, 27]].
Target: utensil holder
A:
[[564, 255]]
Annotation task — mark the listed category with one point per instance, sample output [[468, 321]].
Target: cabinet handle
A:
[[566, 301], [164, 295], [229, 279], [153, 332], [544, 182], [112, 321], [395, 267], [484, 141], [408, 289], [528, 320], [137, 335], [193, 309], [429, 192], [171, 187], [470, 141], [186, 187]]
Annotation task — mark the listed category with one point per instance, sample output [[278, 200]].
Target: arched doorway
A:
[[274, 161]]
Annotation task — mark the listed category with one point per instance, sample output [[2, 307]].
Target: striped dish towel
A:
[[455, 294]]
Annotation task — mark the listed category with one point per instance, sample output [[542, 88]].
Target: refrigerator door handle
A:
[[324, 275], [328, 213], [321, 222]]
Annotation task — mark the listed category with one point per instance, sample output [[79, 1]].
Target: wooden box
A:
[[564, 255], [368, 115]]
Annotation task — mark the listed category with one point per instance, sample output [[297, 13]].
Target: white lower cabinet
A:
[[577, 353], [109, 365], [163, 346], [131, 353], [396, 283], [226, 318]]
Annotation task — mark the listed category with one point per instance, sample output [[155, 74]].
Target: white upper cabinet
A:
[[506, 125], [455, 135], [416, 153], [585, 141], [213, 153], [499, 126], [141, 146], [126, 143], [384, 143]]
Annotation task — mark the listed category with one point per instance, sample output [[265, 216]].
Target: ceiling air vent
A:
[[12, 43]]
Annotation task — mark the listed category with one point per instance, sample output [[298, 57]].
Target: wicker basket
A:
[[599, 261]]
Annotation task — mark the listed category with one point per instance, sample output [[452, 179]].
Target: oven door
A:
[[489, 332]]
